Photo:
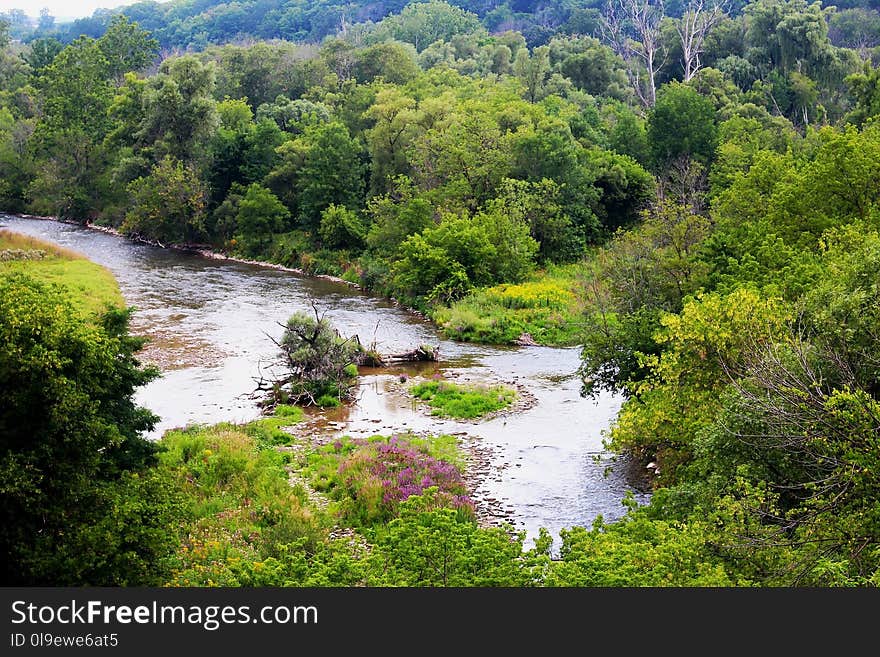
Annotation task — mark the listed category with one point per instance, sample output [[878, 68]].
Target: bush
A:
[[80, 505], [321, 365], [370, 478]]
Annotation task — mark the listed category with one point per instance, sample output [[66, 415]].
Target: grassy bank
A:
[[547, 308], [383, 511], [91, 286]]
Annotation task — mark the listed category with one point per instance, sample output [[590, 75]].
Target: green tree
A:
[[533, 71], [260, 214], [393, 62], [681, 125], [638, 276], [639, 551], [786, 35], [538, 205], [126, 47], [396, 123], [341, 228], [168, 205], [864, 88], [423, 23], [591, 66], [318, 169], [76, 97], [79, 505], [293, 115], [179, 113], [42, 52], [464, 156], [444, 261], [396, 216], [16, 160], [626, 132]]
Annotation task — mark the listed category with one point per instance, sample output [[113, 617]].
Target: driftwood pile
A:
[[424, 353]]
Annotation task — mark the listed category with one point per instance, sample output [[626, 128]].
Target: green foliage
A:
[[590, 66], [318, 169], [79, 506], [444, 261], [639, 552], [547, 308], [76, 97], [423, 23], [317, 363], [626, 133], [260, 214], [866, 93], [681, 125], [168, 205], [390, 61], [636, 277], [429, 161], [241, 509], [341, 228], [178, 113], [126, 47], [680, 396], [433, 545], [462, 401], [42, 52]]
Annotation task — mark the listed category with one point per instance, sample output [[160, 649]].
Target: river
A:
[[210, 324]]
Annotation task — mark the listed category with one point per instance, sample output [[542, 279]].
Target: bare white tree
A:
[[693, 27], [645, 54]]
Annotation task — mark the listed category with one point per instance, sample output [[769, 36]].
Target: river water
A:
[[210, 325]]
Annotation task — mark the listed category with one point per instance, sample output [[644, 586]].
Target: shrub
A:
[[372, 477], [320, 363]]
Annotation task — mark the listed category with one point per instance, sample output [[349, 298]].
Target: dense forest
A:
[[688, 192]]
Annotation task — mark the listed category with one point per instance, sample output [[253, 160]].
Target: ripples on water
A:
[[209, 324]]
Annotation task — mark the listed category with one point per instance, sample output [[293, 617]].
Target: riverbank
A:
[[215, 318], [197, 249], [92, 287], [544, 310]]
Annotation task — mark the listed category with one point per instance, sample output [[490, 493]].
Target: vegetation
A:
[[371, 478], [91, 286], [81, 501], [320, 366], [462, 401], [400, 502], [241, 509], [689, 194], [545, 309]]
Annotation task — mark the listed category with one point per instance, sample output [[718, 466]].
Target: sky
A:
[[62, 8]]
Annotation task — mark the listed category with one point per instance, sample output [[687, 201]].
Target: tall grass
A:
[[369, 479], [242, 509], [547, 307], [92, 286]]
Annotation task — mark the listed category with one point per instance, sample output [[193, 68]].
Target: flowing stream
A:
[[210, 324]]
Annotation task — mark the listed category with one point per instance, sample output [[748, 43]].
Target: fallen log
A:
[[424, 353]]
